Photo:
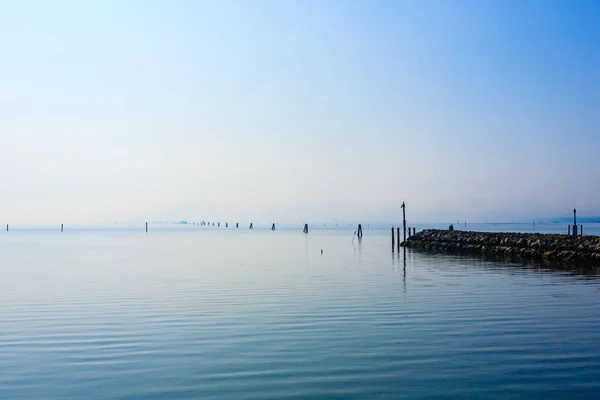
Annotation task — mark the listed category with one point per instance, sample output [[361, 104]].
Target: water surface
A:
[[259, 314]]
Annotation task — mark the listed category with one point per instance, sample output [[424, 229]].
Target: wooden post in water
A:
[[6, 227], [62, 227], [237, 225], [414, 231], [251, 227], [392, 238], [359, 234], [569, 231], [273, 227], [404, 219], [146, 227], [305, 228], [398, 234]]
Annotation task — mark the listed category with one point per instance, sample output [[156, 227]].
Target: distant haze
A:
[[298, 110]]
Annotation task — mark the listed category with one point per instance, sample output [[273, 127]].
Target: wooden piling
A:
[[569, 231], [251, 227], [6, 227], [146, 227], [305, 228], [392, 237], [226, 225], [360, 233], [398, 234], [62, 227], [273, 227], [237, 224], [414, 231], [404, 219]]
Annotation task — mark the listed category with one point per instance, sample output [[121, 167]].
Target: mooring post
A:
[[273, 227], [359, 234], [237, 224], [404, 219], [62, 227], [580, 230], [398, 234], [409, 232], [305, 228], [251, 227], [6, 227], [414, 231], [392, 237], [146, 227], [226, 225], [569, 231]]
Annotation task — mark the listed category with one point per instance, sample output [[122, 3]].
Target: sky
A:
[[298, 110]]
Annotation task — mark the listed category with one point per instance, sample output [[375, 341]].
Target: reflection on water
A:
[[265, 315]]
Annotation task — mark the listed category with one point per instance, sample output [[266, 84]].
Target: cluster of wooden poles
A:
[[396, 239]]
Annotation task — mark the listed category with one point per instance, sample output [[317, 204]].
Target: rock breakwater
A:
[[537, 246]]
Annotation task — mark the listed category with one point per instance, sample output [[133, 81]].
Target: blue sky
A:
[[298, 110]]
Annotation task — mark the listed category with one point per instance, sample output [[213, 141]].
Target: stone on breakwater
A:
[[549, 247]]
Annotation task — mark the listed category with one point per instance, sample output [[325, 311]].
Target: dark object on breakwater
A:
[[305, 228], [575, 226], [359, 234], [536, 246], [451, 228]]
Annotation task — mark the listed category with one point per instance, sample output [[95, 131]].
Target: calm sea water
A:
[[258, 314]]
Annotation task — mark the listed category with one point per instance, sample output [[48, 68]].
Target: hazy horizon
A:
[[299, 111]]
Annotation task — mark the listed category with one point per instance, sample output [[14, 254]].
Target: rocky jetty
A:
[[527, 246]]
